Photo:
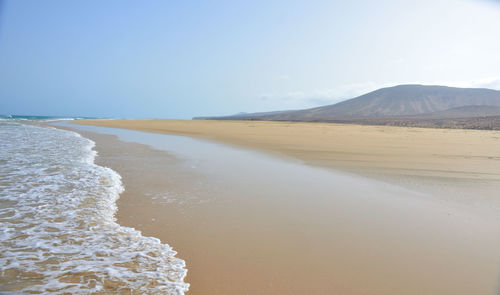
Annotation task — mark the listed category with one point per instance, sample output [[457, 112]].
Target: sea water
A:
[[58, 233]]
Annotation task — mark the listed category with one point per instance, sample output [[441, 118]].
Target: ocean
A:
[[39, 118], [58, 233]]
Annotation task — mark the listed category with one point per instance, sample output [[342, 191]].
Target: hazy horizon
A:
[[155, 59]]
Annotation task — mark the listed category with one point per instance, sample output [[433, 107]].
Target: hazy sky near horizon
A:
[[178, 59]]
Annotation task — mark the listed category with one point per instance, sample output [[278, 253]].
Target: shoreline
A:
[[258, 243], [459, 166], [60, 232]]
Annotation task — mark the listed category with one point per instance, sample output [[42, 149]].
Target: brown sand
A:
[[254, 245], [422, 159]]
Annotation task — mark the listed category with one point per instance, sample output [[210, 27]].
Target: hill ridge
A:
[[407, 100]]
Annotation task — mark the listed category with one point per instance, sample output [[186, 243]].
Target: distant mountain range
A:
[[402, 105]]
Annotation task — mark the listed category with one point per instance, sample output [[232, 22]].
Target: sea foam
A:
[[58, 232]]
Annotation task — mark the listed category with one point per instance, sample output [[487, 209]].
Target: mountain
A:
[[402, 101], [405, 100], [472, 111]]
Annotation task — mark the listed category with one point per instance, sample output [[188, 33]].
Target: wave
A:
[[59, 234]]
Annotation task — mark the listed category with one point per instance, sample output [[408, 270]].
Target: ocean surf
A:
[[58, 232]]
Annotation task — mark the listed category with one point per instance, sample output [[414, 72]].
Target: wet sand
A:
[[460, 166], [298, 233], [471, 154]]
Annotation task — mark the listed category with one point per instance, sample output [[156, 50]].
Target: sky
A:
[[179, 59]]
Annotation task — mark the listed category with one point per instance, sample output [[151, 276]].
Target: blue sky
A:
[[178, 59]]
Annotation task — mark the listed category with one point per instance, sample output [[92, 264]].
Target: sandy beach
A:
[[427, 225], [418, 158], [250, 147]]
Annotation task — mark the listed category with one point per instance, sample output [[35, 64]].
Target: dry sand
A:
[[250, 245]]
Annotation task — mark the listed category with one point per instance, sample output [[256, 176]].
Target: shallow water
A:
[[58, 231]]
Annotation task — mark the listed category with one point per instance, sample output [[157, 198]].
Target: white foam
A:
[[57, 214]]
